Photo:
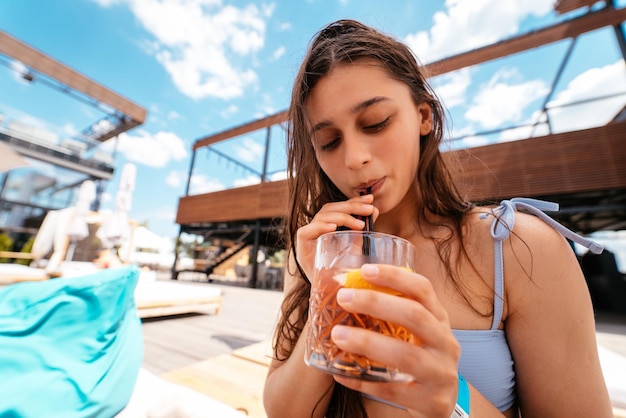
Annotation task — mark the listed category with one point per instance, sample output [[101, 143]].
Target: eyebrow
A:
[[357, 108]]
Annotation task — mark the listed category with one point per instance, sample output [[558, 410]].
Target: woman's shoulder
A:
[[530, 246], [486, 223]]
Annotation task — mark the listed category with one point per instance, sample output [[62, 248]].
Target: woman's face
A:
[[366, 129]]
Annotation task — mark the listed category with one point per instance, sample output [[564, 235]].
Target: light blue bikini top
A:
[[486, 360]]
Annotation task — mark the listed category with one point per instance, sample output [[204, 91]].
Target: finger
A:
[[417, 361], [434, 372], [338, 214], [410, 285], [361, 205], [408, 313], [313, 230]]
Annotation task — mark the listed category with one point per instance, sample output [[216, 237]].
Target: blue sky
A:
[[203, 66]]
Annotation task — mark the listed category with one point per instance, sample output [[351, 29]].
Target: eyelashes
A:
[[377, 127], [329, 146]]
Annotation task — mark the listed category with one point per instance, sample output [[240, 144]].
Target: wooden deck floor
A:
[[248, 316], [225, 356]]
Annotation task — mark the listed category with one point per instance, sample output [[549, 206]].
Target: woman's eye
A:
[[377, 126], [330, 145]]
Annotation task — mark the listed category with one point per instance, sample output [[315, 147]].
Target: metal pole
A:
[[176, 249], [180, 227], [193, 161], [619, 33], [556, 79], [255, 254], [257, 228], [621, 39]]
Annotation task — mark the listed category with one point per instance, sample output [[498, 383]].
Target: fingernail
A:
[[345, 295], [339, 333], [370, 270]]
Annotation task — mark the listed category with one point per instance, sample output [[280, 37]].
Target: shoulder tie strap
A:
[[501, 227]]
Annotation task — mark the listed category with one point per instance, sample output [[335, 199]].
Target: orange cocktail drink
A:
[[338, 259]]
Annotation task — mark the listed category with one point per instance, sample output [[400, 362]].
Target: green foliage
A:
[[6, 244], [278, 258], [27, 248], [186, 248]]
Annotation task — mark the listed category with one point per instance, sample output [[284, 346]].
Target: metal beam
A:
[[568, 29], [44, 64], [242, 129]]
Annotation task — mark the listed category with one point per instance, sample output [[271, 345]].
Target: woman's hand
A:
[[433, 362], [331, 216]]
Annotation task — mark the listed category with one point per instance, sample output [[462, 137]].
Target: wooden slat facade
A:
[[265, 200], [572, 162]]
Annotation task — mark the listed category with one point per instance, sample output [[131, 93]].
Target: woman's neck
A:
[[406, 220], [402, 220]]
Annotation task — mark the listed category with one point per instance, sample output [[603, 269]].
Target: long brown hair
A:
[[344, 42]]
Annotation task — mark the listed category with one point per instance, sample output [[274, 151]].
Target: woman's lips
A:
[[374, 185]]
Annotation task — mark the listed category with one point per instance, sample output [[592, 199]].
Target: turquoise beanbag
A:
[[69, 347]]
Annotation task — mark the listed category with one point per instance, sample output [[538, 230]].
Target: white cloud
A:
[[465, 25], [152, 150], [19, 71], [203, 45], [267, 106], [70, 129], [280, 175], [499, 103], [468, 142], [250, 151], [176, 178], [521, 132], [279, 52], [246, 181], [173, 115], [228, 111], [452, 87], [106, 198], [595, 82], [162, 213], [107, 3], [202, 184]]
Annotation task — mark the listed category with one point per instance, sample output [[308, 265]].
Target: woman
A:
[[362, 116]]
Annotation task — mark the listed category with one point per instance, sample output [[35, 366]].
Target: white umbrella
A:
[[116, 230], [78, 227]]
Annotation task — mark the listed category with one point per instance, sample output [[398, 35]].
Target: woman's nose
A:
[[357, 152]]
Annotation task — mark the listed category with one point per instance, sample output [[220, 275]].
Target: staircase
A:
[[240, 243]]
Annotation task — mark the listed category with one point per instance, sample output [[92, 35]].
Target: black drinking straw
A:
[[368, 247]]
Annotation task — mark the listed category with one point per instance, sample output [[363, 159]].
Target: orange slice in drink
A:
[[355, 280]]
